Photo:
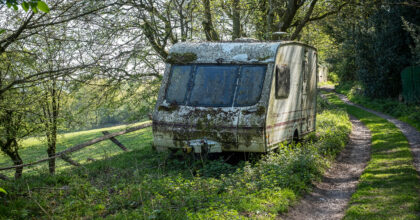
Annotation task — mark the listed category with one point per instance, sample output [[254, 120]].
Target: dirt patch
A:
[[412, 135], [330, 197]]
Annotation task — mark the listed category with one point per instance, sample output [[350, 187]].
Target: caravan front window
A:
[[177, 89], [209, 85], [213, 85]]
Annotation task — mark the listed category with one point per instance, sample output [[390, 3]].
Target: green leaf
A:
[[2, 31], [34, 9], [15, 7], [25, 6], [2, 191], [43, 7], [9, 4]]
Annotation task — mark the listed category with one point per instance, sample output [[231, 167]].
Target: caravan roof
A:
[[228, 52]]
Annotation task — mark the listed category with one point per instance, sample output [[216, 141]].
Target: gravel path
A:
[[330, 197], [412, 135]]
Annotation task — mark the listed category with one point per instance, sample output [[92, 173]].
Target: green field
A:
[[144, 184], [35, 148]]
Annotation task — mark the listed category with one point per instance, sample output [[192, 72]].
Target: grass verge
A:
[[143, 184], [389, 186], [409, 114]]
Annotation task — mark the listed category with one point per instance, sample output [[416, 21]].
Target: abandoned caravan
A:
[[235, 96]]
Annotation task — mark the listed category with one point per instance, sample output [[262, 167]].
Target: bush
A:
[[333, 77]]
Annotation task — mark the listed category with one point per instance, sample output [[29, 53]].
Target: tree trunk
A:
[[236, 19], [304, 21], [270, 21], [11, 149], [55, 106], [51, 162], [10, 146], [211, 34]]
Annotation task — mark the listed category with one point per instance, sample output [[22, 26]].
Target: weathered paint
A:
[[297, 112], [253, 128]]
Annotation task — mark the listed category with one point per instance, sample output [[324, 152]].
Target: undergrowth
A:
[[143, 184], [409, 113]]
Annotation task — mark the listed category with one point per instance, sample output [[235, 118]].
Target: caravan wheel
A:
[[295, 137]]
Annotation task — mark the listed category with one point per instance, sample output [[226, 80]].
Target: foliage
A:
[[144, 184], [379, 62], [34, 5], [390, 179], [408, 113], [374, 45], [414, 31], [333, 77]]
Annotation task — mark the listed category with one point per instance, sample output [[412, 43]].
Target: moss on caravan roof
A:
[[224, 52]]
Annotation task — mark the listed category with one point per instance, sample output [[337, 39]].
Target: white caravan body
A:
[[235, 96]]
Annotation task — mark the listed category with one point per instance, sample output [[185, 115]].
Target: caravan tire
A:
[[295, 137]]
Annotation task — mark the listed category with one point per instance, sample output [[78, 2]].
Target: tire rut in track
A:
[[330, 197]]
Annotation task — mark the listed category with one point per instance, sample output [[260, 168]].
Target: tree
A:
[[20, 69], [290, 16], [374, 47]]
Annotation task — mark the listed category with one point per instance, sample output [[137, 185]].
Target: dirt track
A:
[[412, 135], [330, 197]]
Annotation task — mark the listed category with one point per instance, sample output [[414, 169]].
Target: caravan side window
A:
[[282, 82]]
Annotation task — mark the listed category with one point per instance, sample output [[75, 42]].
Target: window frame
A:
[[287, 83], [190, 84]]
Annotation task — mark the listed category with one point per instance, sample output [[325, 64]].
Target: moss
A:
[[181, 58], [263, 58], [260, 110], [169, 108]]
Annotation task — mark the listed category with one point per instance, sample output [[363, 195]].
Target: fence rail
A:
[[82, 145]]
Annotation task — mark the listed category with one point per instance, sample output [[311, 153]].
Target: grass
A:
[[144, 184], [389, 186], [409, 114], [35, 148], [327, 83]]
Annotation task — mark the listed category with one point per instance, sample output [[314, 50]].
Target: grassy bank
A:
[[389, 187], [409, 114], [143, 184]]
